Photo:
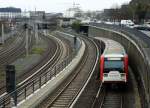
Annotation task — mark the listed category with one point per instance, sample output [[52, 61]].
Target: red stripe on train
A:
[[101, 67], [126, 66]]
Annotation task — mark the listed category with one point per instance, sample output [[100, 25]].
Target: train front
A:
[[114, 68]]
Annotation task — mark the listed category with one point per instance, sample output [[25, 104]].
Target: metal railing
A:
[[22, 92]]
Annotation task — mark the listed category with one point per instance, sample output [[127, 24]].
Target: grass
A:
[[2, 76], [38, 51]]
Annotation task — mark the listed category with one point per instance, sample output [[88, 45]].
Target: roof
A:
[[66, 18], [10, 9], [112, 48]]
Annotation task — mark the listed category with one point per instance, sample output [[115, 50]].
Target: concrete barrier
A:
[[36, 98], [137, 58]]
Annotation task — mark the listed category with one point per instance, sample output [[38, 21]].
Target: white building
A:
[[72, 11], [10, 13], [37, 14], [25, 14], [64, 22]]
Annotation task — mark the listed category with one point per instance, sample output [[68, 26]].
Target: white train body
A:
[[113, 62]]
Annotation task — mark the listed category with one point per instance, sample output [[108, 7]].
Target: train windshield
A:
[[114, 65]]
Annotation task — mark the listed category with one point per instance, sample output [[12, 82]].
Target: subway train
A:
[[113, 62]]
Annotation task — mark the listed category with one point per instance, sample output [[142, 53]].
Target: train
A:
[[113, 63]]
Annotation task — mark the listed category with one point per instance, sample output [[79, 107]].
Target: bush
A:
[[76, 26]]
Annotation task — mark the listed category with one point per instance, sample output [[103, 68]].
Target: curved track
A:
[[7, 53], [12, 52], [64, 96], [52, 51], [58, 52], [53, 55], [15, 49]]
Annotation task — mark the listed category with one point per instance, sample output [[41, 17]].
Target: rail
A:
[[24, 91]]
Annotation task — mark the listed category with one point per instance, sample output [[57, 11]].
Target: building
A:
[[10, 13], [53, 18], [25, 14], [73, 12], [66, 21], [53, 15], [39, 15]]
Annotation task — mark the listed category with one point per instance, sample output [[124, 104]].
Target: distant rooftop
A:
[[10, 9]]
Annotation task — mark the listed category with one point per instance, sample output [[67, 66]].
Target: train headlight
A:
[[122, 75], [105, 75]]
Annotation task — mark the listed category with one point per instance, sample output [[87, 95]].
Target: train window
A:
[[114, 65]]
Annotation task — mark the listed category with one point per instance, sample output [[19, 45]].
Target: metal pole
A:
[[36, 33], [45, 32], [2, 33], [33, 86], [45, 77], [40, 82], [25, 92], [27, 51]]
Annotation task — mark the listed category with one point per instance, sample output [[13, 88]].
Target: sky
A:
[[61, 5]]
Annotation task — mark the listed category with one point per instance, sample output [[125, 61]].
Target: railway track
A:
[[20, 48], [53, 56], [52, 62], [108, 97], [67, 44], [46, 56], [112, 99], [15, 50], [49, 59], [64, 96], [10, 53], [9, 43], [6, 55]]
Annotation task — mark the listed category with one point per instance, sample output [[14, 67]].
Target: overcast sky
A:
[[61, 5]]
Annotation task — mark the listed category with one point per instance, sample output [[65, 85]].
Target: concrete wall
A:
[[137, 59]]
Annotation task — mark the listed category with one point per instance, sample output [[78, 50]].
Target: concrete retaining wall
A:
[[137, 59]]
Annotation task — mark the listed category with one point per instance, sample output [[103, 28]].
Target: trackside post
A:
[[11, 81]]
